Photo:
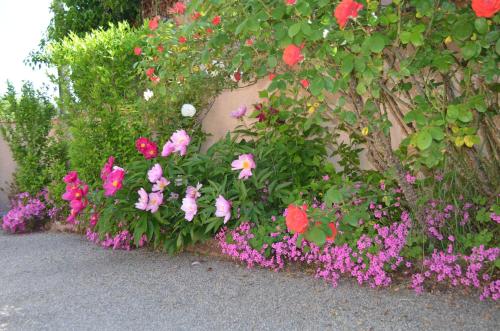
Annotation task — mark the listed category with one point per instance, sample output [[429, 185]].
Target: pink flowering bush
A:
[[28, 213]]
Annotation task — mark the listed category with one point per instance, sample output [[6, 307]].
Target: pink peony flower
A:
[[155, 173], [194, 192], [71, 177], [223, 208], [168, 149], [245, 163], [180, 139], [240, 112], [160, 185], [142, 203], [108, 167], [178, 8], [114, 182], [155, 200], [153, 23], [189, 207]]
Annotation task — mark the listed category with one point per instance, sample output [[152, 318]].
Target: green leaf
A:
[[424, 140], [376, 43], [294, 29], [272, 61], [481, 25], [437, 133], [316, 235], [333, 195], [347, 64]]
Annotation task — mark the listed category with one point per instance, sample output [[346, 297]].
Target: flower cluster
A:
[[27, 213], [121, 241], [147, 148], [458, 269], [152, 201], [76, 194], [331, 261]]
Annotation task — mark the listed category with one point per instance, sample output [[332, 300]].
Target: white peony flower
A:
[[148, 94], [325, 33], [188, 110]]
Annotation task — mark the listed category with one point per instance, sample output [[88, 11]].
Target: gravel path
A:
[[61, 282]]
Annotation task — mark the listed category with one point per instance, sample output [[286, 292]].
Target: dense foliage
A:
[[365, 71], [26, 121]]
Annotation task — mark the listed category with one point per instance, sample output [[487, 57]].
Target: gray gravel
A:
[[61, 282]]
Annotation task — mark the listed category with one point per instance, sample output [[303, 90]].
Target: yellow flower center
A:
[[246, 165], [115, 183]]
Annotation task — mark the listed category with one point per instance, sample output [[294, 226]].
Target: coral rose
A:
[[292, 55], [345, 10], [296, 219], [485, 8]]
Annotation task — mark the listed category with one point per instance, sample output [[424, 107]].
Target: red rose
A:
[[153, 23], [137, 51], [290, 2], [249, 42], [209, 30], [485, 8], [272, 76], [296, 219], [304, 83], [182, 39], [177, 8], [292, 55], [150, 72], [196, 15], [334, 232], [216, 20], [160, 48], [345, 10], [237, 76]]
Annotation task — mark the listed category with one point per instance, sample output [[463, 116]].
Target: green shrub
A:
[[26, 123]]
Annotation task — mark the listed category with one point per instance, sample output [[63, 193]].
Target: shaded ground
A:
[[54, 281]]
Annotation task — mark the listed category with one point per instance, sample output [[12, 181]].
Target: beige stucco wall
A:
[[7, 167], [218, 121]]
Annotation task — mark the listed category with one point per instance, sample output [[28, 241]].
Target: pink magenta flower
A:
[[180, 139], [137, 51], [223, 208], [194, 192], [245, 163], [160, 184], [78, 205], [151, 151], [155, 200], [290, 2], [155, 173], [108, 167], [71, 177], [114, 182], [240, 112], [189, 207], [142, 203]]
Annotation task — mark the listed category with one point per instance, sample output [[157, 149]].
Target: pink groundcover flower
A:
[[223, 208], [245, 163]]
